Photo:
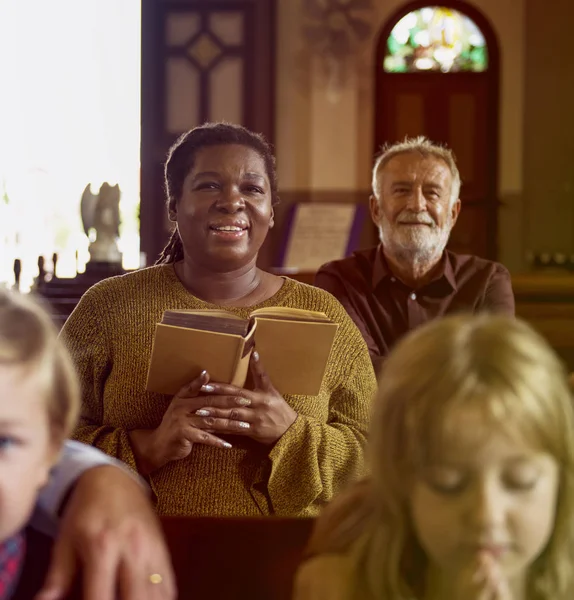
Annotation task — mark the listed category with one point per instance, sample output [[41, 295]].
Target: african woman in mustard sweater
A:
[[214, 449]]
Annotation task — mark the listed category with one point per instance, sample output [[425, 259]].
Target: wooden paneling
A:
[[546, 301], [202, 60], [224, 559], [463, 120], [468, 235], [409, 115]]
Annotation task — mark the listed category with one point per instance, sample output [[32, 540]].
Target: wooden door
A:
[[202, 60], [459, 109]]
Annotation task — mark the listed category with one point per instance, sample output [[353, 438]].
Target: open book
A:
[[294, 346]]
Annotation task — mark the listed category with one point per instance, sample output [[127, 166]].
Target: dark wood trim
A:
[[383, 79], [152, 208], [258, 104]]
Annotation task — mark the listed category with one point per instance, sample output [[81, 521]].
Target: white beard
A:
[[415, 244]]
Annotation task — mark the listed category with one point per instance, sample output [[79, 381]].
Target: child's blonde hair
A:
[[511, 373], [28, 341]]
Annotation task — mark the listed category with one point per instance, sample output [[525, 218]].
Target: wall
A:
[[325, 144], [549, 128]]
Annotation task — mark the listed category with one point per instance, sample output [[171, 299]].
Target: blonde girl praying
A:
[[471, 493]]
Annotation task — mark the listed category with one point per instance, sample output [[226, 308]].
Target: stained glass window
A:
[[435, 38]]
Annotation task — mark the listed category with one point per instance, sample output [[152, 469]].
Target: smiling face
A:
[[225, 209], [27, 450], [485, 491], [412, 207]]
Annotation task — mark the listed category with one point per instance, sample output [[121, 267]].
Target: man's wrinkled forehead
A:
[[413, 167]]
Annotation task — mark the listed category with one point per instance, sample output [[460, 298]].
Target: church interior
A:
[[317, 87], [328, 83]]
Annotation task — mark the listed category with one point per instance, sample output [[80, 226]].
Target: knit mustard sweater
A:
[[109, 336]]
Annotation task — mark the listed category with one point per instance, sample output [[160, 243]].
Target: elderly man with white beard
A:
[[410, 277]]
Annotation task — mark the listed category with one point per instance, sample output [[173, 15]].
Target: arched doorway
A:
[[437, 75]]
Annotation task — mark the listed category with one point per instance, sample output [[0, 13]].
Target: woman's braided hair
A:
[[180, 160]]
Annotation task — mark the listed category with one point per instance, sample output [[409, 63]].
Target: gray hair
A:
[[426, 148]]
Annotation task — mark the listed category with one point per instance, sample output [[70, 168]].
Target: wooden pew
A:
[[234, 558], [546, 301], [215, 558]]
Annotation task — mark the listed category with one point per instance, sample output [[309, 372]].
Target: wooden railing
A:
[[546, 301]]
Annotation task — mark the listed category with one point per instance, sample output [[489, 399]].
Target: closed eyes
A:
[[454, 483], [522, 481], [447, 485]]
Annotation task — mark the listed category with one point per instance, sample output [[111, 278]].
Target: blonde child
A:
[[471, 495], [39, 403]]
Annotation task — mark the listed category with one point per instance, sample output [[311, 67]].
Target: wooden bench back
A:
[[236, 559]]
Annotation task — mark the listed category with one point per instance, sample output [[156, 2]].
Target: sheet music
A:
[[320, 233]]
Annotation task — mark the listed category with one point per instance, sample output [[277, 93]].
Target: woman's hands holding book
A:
[[179, 429], [261, 414]]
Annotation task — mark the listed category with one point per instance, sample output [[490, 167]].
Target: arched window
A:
[[435, 38]]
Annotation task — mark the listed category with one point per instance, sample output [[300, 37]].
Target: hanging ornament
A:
[[335, 32]]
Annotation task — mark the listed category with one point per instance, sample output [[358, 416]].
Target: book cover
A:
[[294, 346]]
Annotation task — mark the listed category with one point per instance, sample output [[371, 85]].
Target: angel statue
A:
[[102, 213]]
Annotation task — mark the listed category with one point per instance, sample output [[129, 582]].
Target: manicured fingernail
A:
[[255, 355], [243, 401], [227, 445], [207, 388], [202, 412], [203, 373], [243, 425]]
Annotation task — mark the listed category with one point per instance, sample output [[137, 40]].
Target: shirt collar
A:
[[382, 271]]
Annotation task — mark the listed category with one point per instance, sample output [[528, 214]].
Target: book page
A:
[[320, 233], [209, 312], [207, 320], [290, 313]]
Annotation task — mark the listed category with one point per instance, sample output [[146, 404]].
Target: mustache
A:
[[407, 217]]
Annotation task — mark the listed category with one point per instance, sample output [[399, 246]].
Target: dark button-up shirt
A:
[[385, 309]]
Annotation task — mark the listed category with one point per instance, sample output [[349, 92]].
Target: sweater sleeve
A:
[[86, 335], [314, 460]]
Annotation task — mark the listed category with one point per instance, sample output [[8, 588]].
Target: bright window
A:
[[435, 38], [69, 116]]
